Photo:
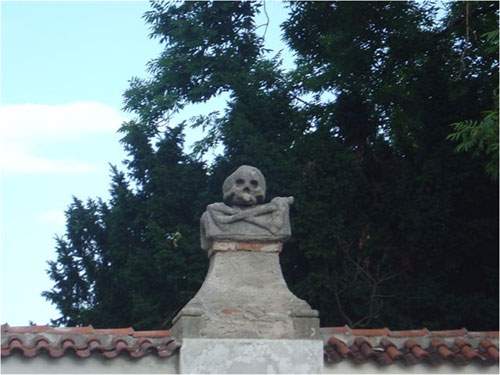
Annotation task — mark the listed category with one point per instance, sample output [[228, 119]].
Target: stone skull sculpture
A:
[[245, 187]]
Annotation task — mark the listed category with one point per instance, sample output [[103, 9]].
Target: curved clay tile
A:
[[439, 346], [490, 349], [411, 347], [416, 349], [341, 348], [85, 341]]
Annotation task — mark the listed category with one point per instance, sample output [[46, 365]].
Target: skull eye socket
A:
[[254, 183], [240, 181]]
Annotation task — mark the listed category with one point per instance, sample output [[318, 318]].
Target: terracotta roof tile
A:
[[331, 356], [391, 350], [340, 347], [441, 349], [492, 334], [384, 359], [84, 341], [466, 349], [449, 333], [28, 329], [370, 332], [163, 333], [490, 350], [380, 345], [416, 350], [115, 331], [410, 333], [410, 347], [356, 356]]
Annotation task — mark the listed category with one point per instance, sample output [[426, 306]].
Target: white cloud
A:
[[17, 158], [52, 217], [23, 127]]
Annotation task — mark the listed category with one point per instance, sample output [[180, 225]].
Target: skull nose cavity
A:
[[246, 189]]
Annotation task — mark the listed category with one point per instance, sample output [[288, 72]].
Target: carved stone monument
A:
[[243, 216], [244, 301]]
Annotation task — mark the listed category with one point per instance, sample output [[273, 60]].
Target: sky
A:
[[64, 66]]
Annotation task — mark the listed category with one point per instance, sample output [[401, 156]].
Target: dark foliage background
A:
[[392, 225]]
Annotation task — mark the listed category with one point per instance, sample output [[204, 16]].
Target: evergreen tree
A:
[[391, 227], [134, 260], [397, 85]]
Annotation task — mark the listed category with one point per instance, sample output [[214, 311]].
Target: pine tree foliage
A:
[[133, 260], [391, 226]]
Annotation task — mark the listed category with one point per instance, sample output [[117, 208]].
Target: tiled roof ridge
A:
[[386, 332], [382, 345], [411, 346], [31, 341], [85, 330]]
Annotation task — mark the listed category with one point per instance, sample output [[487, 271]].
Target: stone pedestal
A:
[[244, 295], [244, 319]]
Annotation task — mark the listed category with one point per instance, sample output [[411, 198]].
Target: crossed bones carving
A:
[[223, 214]]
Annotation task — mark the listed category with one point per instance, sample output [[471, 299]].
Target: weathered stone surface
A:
[[265, 222], [243, 356], [245, 296], [242, 216], [246, 186], [264, 247]]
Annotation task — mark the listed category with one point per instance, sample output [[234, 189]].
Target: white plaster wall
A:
[[347, 367], [247, 356], [154, 365], [96, 364]]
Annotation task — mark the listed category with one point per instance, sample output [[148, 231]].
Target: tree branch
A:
[[339, 304]]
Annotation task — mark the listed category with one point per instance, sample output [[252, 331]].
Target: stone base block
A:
[[244, 356], [263, 247]]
